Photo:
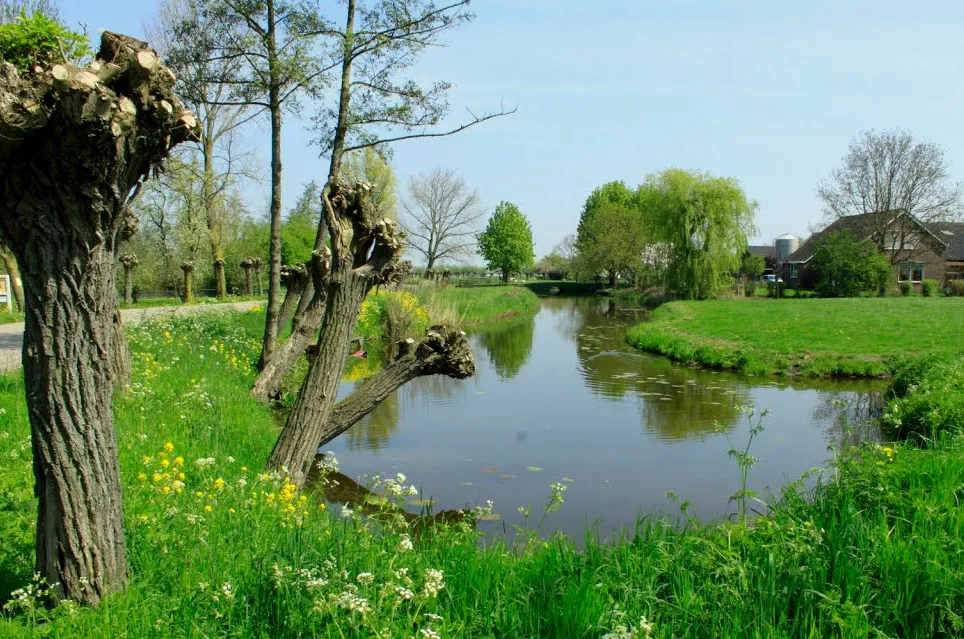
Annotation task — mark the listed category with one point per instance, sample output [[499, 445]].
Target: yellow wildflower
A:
[[167, 490], [142, 477], [165, 463], [199, 494], [156, 477], [179, 460], [168, 446], [219, 483], [207, 508], [231, 510]]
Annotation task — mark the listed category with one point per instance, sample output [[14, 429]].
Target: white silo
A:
[[786, 244]]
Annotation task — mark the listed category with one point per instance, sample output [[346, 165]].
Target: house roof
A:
[[952, 234], [762, 251], [860, 225], [863, 225]]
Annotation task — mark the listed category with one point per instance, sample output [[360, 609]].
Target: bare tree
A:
[[896, 181], [75, 144], [10, 10], [441, 216]]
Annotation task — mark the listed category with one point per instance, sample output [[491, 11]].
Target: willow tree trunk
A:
[[220, 282], [365, 251], [73, 144], [442, 352], [14, 272], [295, 280], [248, 281]]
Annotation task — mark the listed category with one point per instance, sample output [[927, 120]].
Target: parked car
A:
[[772, 278]]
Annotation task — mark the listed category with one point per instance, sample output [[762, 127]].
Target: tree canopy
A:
[[611, 193], [506, 244], [613, 239], [843, 266], [705, 220]]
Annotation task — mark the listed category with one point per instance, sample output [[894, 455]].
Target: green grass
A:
[[864, 337], [155, 302], [10, 317], [879, 553], [479, 306]]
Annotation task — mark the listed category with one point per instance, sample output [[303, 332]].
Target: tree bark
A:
[[268, 384], [220, 282], [442, 352], [73, 145], [295, 280], [365, 252], [188, 269], [270, 340]]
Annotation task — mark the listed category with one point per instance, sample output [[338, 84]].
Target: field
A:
[[219, 549], [861, 337]]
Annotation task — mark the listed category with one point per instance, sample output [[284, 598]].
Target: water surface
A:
[[560, 397]]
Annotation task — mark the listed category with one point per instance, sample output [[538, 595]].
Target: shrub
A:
[[846, 267], [905, 289], [928, 288], [956, 288], [928, 398], [38, 40]]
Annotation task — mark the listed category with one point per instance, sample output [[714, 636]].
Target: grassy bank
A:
[[218, 549], [812, 337], [476, 307], [10, 317]]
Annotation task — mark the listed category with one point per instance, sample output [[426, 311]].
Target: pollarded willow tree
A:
[[374, 107], [705, 221], [75, 142]]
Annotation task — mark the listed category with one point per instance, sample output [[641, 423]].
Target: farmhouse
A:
[[918, 251]]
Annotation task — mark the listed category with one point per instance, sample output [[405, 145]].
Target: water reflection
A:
[[625, 427], [509, 348]]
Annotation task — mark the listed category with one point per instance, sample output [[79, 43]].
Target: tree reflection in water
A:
[[509, 348]]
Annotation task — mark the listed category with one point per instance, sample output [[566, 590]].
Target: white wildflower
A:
[[428, 633], [405, 543], [434, 582], [205, 461], [226, 590], [365, 578], [404, 593], [346, 512]]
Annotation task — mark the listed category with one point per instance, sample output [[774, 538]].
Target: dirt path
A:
[[11, 335]]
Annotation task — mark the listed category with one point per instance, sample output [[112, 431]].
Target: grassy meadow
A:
[[219, 549], [476, 307], [813, 337]]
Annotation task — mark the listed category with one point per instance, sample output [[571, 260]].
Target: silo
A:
[[786, 244]]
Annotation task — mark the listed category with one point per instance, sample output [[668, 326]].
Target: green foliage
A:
[[928, 398], [553, 266], [753, 266], [368, 165], [929, 288], [609, 194], [613, 239], [906, 288], [506, 243], [509, 345], [705, 220], [955, 288], [38, 40], [844, 266], [299, 231]]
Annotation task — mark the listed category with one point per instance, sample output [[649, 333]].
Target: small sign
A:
[[5, 297]]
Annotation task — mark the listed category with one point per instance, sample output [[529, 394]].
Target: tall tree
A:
[[705, 220], [190, 39], [611, 193], [506, 243], [613, 240], [442, 216], [888, 172], [68, 171], [374, 108], [275, 44]]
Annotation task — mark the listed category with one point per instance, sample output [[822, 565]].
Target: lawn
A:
[[807, 336]]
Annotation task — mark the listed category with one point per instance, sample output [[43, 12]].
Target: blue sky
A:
[[769, 92]]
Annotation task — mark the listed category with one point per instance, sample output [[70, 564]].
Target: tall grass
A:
[[219, 549]]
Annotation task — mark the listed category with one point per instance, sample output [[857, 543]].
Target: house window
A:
[[910, 272], [793, 270]]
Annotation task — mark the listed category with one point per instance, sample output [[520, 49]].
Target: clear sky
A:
[[767, 91]]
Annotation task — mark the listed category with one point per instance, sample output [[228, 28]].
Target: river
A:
[[560, 397]]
